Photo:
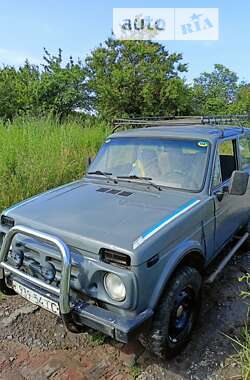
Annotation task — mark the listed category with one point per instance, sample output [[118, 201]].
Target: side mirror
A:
[[238, 183]]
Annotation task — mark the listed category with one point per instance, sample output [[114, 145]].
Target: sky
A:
[[78, 26]]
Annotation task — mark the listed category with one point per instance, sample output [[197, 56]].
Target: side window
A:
[[217, 179], [226, 162], [245, 152]]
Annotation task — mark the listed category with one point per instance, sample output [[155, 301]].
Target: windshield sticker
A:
[[203, 144], [180, 211]]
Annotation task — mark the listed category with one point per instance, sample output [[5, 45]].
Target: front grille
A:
[[7, 221], [39, 264]]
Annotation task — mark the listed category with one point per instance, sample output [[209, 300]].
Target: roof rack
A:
[[151, 121], [224, 119], [220, 121]]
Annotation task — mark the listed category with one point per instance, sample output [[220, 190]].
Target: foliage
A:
[[2, 297], [17, 90], [98, 339], [54, 89], [218, 92], [242, 103], [242, 347], [135, 371], [61, 89], [244, 354], [118, 79], [40, 154], [242, 344], [131, 78]]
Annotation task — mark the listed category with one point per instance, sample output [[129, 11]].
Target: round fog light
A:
[[115, 287]]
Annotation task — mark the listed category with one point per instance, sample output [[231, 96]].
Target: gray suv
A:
[[125, 249]]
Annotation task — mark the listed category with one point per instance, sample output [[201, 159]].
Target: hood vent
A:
[[114, 191], [102, 189], [125, 193]]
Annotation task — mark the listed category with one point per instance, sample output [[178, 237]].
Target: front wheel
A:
[[3, 287], [176, 314]]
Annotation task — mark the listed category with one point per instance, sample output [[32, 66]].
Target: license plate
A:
[[36, 298]]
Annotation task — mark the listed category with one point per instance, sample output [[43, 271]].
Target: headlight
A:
[[115, 287]]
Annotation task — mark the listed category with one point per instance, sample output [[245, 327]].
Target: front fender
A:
[[173, 259]]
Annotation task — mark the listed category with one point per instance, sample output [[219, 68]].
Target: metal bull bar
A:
[[74, 315], [64, 291]]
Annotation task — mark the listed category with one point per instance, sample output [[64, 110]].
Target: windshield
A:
[[172, 163]]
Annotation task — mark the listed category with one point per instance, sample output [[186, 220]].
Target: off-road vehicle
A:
[[124, 250]]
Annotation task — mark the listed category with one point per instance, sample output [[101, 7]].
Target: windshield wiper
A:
[[145, 179], [105, 174]]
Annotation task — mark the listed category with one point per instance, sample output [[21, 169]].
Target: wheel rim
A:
[[181, 318]]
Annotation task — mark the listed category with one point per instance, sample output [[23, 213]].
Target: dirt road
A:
[[35, 346]]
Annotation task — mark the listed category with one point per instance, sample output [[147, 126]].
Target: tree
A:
[[8, 93], [62, 89], [27, 84], [54, 88], [214, 92], [242, 103], [135, 78]]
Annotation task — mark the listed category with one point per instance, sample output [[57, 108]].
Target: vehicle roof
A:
[[209, 132]]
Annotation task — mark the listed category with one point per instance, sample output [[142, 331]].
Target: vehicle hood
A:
[[89, 219]]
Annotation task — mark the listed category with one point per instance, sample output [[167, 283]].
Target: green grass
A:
[[37, 155], [2, 297], [242, 344], [98, 339], [135, 371], [244, 354], [242, 347]]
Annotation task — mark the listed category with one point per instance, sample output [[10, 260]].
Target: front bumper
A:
[[73, 314], [109, 323]]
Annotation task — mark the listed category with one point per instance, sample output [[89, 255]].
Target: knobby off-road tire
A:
[[4, 289], [176, 314]]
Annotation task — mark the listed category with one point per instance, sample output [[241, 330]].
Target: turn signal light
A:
[[7, 221], [115, 258]]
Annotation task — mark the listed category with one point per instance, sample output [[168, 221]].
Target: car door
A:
[[226, 205], [244, 156]]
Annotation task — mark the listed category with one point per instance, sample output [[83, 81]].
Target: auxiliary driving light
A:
[[17, 258]]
